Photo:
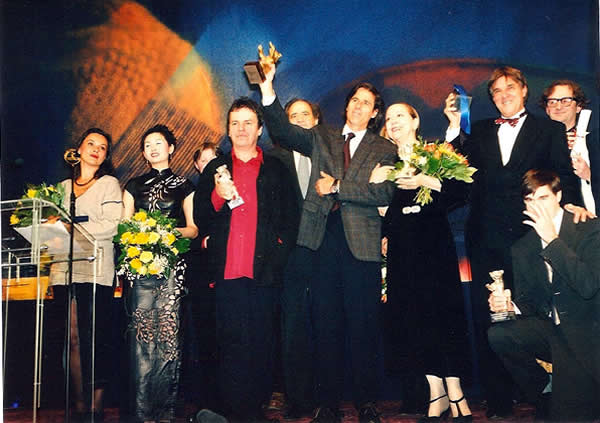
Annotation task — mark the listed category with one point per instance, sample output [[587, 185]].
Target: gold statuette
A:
[[255, 71]]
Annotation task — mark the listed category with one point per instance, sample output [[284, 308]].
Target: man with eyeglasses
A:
[[563, 100], [503, 149]]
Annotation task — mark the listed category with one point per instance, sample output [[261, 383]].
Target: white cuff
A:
[[267, 100]]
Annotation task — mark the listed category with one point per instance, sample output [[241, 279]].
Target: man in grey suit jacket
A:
[[340, 233], [557, 286]]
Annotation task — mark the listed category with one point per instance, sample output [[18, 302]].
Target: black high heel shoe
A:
[[441, 417], [461, 418]]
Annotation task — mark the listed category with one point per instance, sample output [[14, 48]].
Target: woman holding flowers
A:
[[156, 283], [425, 326], [98, 196]]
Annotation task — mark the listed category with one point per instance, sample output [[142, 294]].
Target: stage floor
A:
[[388, 409]]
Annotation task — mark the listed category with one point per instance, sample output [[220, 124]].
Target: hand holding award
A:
[[256, 71]]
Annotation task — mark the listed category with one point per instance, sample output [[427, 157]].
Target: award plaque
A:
[[498, 286], [256, 71], [224, 180]]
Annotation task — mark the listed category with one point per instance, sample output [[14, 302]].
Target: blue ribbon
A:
[[465, 112]]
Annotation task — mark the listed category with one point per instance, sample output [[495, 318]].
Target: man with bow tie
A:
[[503, 149]]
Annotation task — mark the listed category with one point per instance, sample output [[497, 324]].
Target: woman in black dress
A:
[[155, 303], [425, 327]]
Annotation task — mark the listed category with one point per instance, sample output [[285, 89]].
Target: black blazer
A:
[[496, 203], [575, 260], [287, 158], [276, 226]]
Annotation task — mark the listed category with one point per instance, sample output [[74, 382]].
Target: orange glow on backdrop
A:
[[135, 72]]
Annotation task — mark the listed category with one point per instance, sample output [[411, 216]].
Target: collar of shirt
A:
[[354, 142], [255, 160], [507, 135]]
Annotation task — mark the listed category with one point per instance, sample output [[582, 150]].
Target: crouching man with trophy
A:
[[557, 301]]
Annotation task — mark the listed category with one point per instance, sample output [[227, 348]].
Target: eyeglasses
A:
[[565, 101]]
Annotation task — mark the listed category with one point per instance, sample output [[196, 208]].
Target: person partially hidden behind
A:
[[557, 282]]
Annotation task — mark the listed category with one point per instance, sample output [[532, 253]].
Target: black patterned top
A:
[[161, 190]]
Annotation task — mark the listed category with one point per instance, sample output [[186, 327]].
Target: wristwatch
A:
[[335, 188]]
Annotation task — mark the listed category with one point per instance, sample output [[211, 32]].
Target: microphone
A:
[[72, 157]]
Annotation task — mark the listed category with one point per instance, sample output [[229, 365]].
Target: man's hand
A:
[[324, 184], [541, 221], [266, 87], [500, 301], [579, 213], [581, 168], [384, 245], [451, 112], [224, 188], [380, 173]]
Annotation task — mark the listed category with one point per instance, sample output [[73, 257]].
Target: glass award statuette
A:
[[224, 180], [497, 286], [255, 71]]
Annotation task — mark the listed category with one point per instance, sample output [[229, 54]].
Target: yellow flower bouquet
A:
[[437, 159], [150, 245], [23, 216]]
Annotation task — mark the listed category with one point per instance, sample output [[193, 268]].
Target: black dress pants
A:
[[345, 300], [297, 331], [245, 330], [574, 390]]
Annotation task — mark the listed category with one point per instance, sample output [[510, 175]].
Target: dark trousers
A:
[[496, 381], [103, 351], [199, 378], [155, 351], [574, 390], [297, 332], [345, 300], [245, 330]]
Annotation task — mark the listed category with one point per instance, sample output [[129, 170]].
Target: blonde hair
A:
[[411, 111]]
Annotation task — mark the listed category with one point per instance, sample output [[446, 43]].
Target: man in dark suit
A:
[[296, 338], [340, 233], [557, 298], [251, 228], [502, 150], [563, 100]]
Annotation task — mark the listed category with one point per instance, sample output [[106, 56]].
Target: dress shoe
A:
[[294, 411], [368, 413], [461, 418], [326, 415], [441, 417], [495, 413]]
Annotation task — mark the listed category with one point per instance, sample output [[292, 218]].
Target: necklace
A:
[[84, 184]]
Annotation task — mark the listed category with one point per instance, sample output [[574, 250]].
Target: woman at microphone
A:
[[98, 200]]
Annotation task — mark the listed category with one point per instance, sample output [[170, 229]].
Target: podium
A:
[[29, 256]]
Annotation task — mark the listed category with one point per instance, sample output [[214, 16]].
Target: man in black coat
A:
[[251, 225], [297, 343], [502, 150], [557, 298]]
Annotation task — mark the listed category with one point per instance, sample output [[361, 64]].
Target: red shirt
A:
[[241, 243]]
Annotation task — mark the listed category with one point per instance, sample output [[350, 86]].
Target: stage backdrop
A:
[[125, 65]]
